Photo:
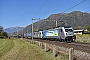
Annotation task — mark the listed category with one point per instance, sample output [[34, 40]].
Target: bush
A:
[[3, 35]]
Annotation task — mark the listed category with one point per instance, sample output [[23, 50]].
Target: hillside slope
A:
[[76, 19]]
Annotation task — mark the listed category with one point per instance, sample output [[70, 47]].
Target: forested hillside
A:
[[76, 19]]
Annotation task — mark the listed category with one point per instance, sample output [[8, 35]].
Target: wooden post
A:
[[32, 41], [71, 53], [45, 47], [39, 43], [54, 51]]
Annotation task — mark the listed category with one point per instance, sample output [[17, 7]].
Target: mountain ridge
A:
[[76, 19], [12, 29]]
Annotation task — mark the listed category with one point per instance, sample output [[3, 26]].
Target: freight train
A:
[[64, 33]]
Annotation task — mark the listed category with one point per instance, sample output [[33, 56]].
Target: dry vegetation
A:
[[16, 49], [83, 38]]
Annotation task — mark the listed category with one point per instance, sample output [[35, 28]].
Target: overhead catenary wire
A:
[[40, 8], [68, 8], [54, 6], [74, 6]]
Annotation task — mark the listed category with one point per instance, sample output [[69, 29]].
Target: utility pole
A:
[[32, 26], [11, 32], [32, 29], [22, 32], [37, 28], [17, 31], [56, 23]]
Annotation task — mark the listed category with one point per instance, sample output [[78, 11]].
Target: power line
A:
[[74, 6], [68, 8], [71, 7], [55, 6], [40, 8]]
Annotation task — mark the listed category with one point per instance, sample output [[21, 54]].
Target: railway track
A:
[[84, 47], [80, 43], [81, 50]]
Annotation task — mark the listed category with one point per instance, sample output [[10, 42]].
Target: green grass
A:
[[83, 38], [5, 46], [15, 49]]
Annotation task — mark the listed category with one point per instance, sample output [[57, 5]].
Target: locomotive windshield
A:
[[68, 30]]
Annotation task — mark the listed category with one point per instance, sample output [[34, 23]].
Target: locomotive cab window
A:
[[68, 30], [50, 32]]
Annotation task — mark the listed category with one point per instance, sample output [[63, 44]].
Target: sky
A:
[[20, 12]]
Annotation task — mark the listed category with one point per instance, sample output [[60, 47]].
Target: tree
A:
[[4, 34], [1, 28]]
